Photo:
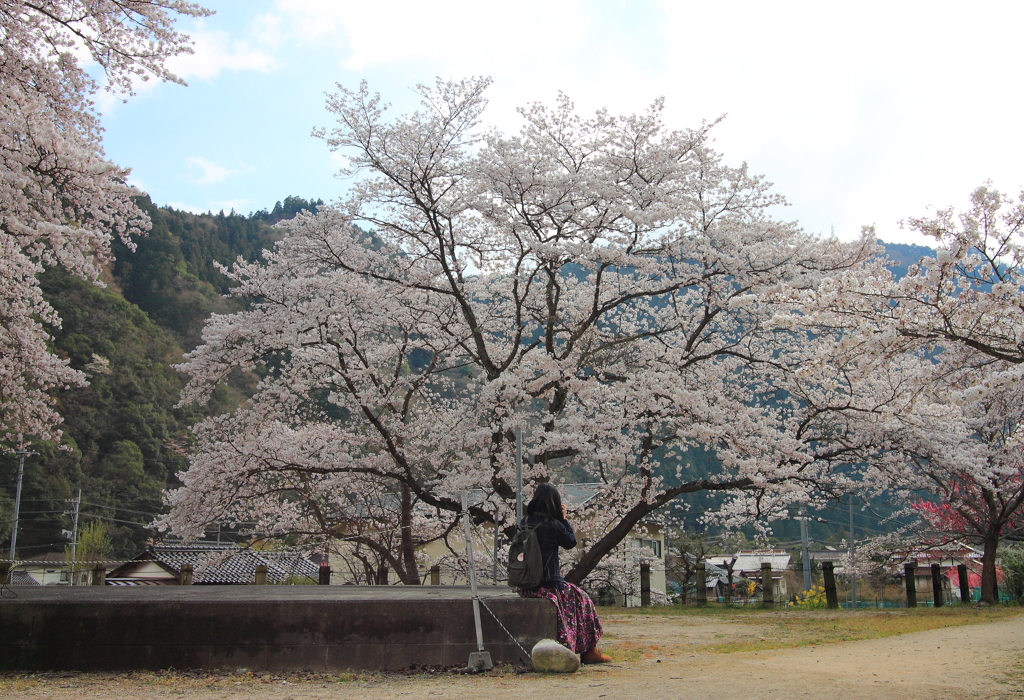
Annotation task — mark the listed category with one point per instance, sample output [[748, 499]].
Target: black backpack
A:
[[525, 562]]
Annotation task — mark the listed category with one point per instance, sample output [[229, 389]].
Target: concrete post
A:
[[937, 596], [910, 576], [99, 575], [767, 587], [435, 575], [261, 574], [829, 575], [700, 573], [965, 585], [186, 575], [645, 585], [325, 575]]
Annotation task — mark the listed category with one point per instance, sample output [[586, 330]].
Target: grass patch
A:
[[781, 628], [623, 651]]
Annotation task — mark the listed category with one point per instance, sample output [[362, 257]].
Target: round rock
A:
[[551, 657]]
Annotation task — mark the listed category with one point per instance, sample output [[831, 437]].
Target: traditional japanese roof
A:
[[219, 564], [22, 578], [47, 558], [829, 554], [749, 561]]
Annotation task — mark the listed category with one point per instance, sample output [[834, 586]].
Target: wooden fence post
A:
[[728, 588], [700, 573], [828, 573], [186, 575], [99, 575], [435, 575], [6, 572], [645, 585], [325, 574], [937, 596], [382, 575], [261, 574], [910, 576], [767, 586], [965, 585]]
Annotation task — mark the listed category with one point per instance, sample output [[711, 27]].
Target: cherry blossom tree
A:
[[954, 328], [60, 200], [978, 484], [604, 285]]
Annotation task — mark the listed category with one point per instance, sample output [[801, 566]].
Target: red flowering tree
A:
[[972, 510]]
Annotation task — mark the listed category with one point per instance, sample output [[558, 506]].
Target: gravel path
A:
[[980, 662]]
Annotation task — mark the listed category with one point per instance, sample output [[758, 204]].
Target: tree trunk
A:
[[593, 556], [989, 589], [410, 575]]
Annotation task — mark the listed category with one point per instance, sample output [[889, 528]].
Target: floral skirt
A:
[[578, 626]]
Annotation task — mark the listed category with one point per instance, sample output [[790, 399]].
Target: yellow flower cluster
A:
[[812, 599]]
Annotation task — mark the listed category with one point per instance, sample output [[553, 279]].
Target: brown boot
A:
[[594, 656]]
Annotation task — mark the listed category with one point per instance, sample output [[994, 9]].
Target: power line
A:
[[124, 510]]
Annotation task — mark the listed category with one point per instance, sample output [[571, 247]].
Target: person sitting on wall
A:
[[578, 626]]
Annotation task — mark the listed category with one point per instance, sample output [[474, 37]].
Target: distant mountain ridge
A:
[[903, 255], [124, 440]]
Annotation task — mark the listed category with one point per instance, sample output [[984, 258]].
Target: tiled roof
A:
[[222, 564], [55, 557], [750, 561], [22, 578]]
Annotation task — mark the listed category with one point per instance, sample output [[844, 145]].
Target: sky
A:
[[860, 113]]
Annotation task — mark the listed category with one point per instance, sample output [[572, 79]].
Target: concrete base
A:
[[262, 628]]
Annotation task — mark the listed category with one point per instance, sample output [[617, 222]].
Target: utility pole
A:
[[805, 555], [494, 561], [519, 476], [22, 453], [853, 572], [77, 503]]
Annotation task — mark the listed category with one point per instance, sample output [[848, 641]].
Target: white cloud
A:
[[241, 206], [861, 113], [210, 173], [191, 208], [217, 51]]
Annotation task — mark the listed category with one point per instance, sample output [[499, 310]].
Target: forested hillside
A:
[[123, 439]]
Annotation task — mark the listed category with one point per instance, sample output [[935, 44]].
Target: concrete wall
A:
[[261, 628]]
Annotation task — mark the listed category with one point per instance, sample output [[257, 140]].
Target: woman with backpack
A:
[[578, 626]]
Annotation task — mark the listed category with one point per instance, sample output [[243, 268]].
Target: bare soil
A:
[[658, 657]]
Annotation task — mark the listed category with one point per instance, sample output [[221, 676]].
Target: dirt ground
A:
[[981, 662]]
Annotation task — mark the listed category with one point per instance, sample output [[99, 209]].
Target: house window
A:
[[653, 545]]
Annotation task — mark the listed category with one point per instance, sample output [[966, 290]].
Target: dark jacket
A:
[[551, 535]]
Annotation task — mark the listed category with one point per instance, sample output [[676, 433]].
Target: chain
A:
[[510, 635]]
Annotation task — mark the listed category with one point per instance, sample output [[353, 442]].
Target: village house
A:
[[746, 565], [212, 564], [48, 569], [948, 559]]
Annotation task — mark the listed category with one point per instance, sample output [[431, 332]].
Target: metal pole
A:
[[853, 570], [519, 476], [805, 555], [494, 564], [482, 659], [17, 497], [74, 536]]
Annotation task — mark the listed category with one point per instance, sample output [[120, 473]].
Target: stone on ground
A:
[[551, 657]]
